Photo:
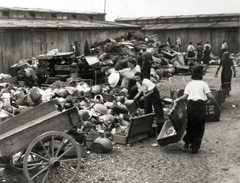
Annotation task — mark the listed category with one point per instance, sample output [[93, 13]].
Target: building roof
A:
[[147, 18], [191, 25], [27, 23], [182, 16], [230, 14], [127, 18], [46, 10], [157, 26], [188, 16], [168, 17], [202, 25], [180, 26], [226, 24], [211, 15]]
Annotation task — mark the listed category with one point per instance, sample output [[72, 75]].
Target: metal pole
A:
[[104, 6]]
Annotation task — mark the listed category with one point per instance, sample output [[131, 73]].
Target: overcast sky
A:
[[132, 8]]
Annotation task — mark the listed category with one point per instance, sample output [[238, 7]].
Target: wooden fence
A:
[[16, 44], [215, 36]]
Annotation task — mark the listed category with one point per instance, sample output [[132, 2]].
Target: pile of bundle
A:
[[114, 53]]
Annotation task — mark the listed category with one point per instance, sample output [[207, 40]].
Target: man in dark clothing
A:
[[146, 64], [199, 52]]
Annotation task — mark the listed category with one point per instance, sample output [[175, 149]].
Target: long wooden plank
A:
[[27, 116], [17, 140]]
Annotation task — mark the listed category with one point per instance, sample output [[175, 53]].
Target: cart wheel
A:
[[14, 163], [58, 158]]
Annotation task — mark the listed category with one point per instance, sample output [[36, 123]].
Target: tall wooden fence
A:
[[16, 44], [215, 36]]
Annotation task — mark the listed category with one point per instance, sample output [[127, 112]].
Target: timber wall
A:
[[16, 44], [215, 36]]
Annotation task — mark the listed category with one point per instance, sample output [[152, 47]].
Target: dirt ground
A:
[[218, 160], [221, 140]]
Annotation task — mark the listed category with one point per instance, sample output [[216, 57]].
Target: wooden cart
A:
[[34, 142]]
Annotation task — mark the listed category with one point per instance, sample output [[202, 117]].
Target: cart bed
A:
[[18, 132]]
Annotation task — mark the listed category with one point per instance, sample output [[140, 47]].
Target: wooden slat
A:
[[27, 116], [19, 139]]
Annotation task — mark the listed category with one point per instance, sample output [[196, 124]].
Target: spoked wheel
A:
[[14, 163], [58, 158]]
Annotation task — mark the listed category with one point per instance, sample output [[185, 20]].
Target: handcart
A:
[[35, 142]]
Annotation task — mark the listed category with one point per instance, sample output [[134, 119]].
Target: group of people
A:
[[197, 92], [136, 79], [203, 52]]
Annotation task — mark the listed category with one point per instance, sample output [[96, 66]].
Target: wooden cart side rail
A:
[[19, 138], [27, 116]]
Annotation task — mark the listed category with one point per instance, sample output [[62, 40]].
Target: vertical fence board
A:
[[39, 42], [51, 40], [27, 48], [63, 40], [8, 56], [1, 51]]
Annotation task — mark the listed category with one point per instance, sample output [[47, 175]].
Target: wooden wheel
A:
[[58, 158], [14, 163]]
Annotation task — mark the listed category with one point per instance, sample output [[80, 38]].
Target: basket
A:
[[102, 145], [212, 113], [89, 139]]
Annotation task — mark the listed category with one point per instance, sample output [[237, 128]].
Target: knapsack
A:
[[191, 52]]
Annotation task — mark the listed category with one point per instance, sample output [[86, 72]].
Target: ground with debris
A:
[[216, 162]]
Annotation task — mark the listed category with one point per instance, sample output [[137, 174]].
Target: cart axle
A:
[[54, 162]]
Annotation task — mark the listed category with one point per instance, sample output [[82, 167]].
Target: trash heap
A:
[[114, 53], [104, 110]]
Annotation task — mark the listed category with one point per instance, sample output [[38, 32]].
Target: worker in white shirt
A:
[[128, 73], [207, 44], [147, 89], [224, 48], [190, 50]]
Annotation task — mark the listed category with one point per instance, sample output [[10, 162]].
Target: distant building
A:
[[26, 33], [44, 14], [195, 28]]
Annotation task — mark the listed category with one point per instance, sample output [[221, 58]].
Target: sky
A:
[[132, 8]]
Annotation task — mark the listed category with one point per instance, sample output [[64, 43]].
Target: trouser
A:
[[196, 118], [154, 101], [146, 70], [222, 51]]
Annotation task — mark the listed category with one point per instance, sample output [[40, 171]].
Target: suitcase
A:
[[138, 130], [173, 129]]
